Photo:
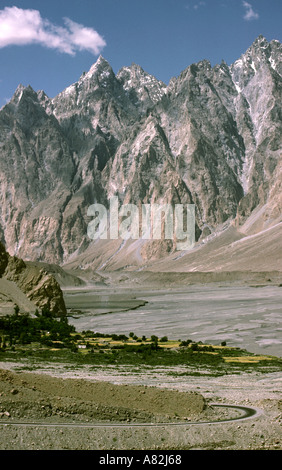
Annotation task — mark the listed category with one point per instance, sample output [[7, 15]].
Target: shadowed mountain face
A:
[[212, 138]]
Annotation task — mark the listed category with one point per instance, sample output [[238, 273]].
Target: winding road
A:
[[246, 413]]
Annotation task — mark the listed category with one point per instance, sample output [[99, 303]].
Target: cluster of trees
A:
[[43, 328], [122, 337]]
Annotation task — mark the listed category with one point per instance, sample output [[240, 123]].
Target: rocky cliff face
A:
[[39, 286], [3, 259], [212, 137]]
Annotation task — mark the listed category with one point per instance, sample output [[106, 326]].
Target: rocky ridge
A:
[[30, 281], [211, 137]]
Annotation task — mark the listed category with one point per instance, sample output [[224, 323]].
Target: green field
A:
[[45, 338]]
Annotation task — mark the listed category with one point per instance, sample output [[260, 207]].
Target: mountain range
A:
[[211, 137]]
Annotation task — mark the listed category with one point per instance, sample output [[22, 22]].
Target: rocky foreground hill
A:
[[28, 286], [211, 137]]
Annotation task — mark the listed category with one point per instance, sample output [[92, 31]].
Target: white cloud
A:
[[250, 13], [22, 27], [195, 6], [198, 5]]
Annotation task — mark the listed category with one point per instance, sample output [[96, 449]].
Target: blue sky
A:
[[48, 44]]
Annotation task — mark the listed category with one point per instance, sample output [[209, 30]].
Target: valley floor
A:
[[54, 396], [72, 406]]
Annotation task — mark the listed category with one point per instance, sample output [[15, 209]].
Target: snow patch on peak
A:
[[101, 66], [238, 88], [146, 86], [273, 63], [70, 90]]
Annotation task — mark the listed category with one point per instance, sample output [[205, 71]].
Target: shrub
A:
[[119, 337], [186, 343]]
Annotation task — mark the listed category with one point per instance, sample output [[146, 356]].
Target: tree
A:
[[164, 339], [16, 310]]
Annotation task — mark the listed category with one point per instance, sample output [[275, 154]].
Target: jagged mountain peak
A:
[[101, 60], [23, 92], [210, 137], [261, 57], [143, 89], [132, 70], [100, 74], [262, 45], [135, 72], [203, 64], [260, 41], [42, 97], [25, 106], [99, 67], [260, 50]]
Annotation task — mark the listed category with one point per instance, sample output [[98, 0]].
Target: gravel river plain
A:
[[248, 317]]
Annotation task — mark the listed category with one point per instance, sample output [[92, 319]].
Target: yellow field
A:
[[108, 343], [248, 359]]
